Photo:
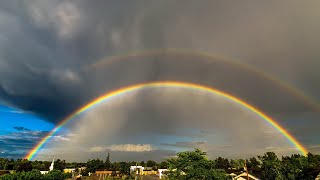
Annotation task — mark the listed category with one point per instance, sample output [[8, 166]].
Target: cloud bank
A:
[[123, 148]]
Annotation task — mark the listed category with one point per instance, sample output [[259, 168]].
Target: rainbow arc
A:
[[123, 91]]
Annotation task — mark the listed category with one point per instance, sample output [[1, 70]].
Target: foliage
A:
[[193, 165], [163, 165], [151, 163], [59, 164], [187, 165], [300, 167], [124, 168], [142, 163], [41, 165], [57, 175], [271, 166], [95, 164], [253, 163], [236, 163], [108, 162], [222, 163], [36, 175], [4, 163], [23, 165]]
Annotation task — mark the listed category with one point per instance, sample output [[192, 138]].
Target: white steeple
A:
[[52, 164]]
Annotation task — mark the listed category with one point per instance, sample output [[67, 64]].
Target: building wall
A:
[[149, 172]]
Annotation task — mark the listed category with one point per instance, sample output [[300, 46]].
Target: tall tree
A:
[[163, 165], [151, 163], [108, 162], [193, 166], [271, 166], [124, 168], [60, 164], [142, 163], [253, 163], [222, 163]]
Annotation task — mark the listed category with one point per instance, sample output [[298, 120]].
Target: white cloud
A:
[[64, 16], [65, 76], [60, 138], [123, 148], [97, 149], [131, 147], [67, 16], [314, 146]]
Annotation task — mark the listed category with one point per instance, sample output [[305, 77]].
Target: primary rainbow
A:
[[122, 91]]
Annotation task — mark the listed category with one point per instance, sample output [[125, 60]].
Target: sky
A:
[[55, 56]]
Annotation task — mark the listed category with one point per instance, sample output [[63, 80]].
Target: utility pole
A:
[[246, 168]]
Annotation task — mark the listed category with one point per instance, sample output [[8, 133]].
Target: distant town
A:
[[185, 165]]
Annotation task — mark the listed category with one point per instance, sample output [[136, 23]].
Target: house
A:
[[161, 172], [82, 168], [243, 176], [109, 173], [104, 174], [69, 170], [137, 169], [149, 172]]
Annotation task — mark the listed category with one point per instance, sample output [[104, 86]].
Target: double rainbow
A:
[[126, 90]]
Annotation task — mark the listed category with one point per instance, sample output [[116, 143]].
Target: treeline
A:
[[268, 166], [195, 165], [36, 175], [186, 165], [20, 165]]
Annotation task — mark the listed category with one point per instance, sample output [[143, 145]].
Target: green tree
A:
[[95, 164], [151, 163], [142, 163], [234, 164], [59, 164], [4, 163], [108, 162], [253, 163], [271, 166], [57, 175], [193, 166], [163, 165], [24, 165], [222, 163], [124, 168], [36, 175]]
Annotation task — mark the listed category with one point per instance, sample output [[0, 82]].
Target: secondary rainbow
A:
[[152, 52], [125, 90]]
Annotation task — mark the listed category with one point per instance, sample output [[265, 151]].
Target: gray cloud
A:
[[54, 39]]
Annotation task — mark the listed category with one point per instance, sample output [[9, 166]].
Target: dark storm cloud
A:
[[45, 44], [19, 128]]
